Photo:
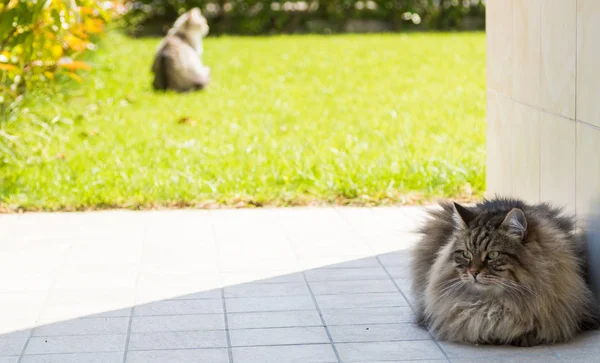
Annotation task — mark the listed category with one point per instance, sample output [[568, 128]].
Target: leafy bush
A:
[[277, 16], [41, 40]]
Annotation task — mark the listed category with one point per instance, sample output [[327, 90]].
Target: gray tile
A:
[[179, 356], [377, 333], [402, 350], [369, 300], [17, 334], [400, 272], [210, 294], [587, 343], [345, 274], [352, 287], [179, 307], [265, 290], [454, 350], [295, 277], [359, 263], [112, 314], [12, 346], [112, 357], [152, 324], [278, 336], [250, 304], [10, 359], [368, 316], [178, 340], [321, 353], [84, 326], [583, 358], [398, 258], [542, 358], [275, 319], [76, 344]]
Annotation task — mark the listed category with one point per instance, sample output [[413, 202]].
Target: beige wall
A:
[[543, 101]]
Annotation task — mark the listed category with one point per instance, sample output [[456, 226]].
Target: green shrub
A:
[[40, 41], [288, 16]]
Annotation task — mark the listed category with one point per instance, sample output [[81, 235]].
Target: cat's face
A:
[[196, 22], [487, 256]]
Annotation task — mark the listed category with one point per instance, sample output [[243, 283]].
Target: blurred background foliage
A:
[[314, 16], [42, 41]]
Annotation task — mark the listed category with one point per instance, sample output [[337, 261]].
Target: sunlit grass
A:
[[287, 120]]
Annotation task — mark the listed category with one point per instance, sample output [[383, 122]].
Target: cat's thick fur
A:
[[501, 272], [178, 62]]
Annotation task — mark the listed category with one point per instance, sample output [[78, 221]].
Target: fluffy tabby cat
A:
[[501, 272], [178, 63]]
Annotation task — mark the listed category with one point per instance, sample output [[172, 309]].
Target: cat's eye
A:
[[466, 254], [492, 255]]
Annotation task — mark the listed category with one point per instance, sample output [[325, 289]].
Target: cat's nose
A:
[[474, 273]]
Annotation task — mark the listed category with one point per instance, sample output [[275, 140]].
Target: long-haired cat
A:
[[501, 272], [178, 62]]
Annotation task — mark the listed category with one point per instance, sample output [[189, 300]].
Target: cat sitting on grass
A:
[[178, 63], [502, 272]]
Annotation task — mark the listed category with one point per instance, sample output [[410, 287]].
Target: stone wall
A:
[[543, 101]]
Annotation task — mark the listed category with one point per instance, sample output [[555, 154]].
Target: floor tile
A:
[[278, 336], [368, 316], [349, 287], [85, 326], [377, 333], [274, 319], [179, 356], [253, 304], [110, 357], [12, 346], [266, 290], [179, 307], [152, 324], [321, 353], [369, 300], [454, 350], [178, 340], [385, 351], [76, 344], [343, 274]]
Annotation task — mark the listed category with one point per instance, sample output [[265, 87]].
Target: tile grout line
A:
[[196, 349], [237, 329], [392, 280], [539, 114], [335, 351], [399, 290], [132, 308], [213, 230], [227, 335], [544, 110], [413, 309], [64, 261], [575, 108], [314, 299]]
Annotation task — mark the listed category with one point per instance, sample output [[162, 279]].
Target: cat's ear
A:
[[183, 19], [515, 223], [462, 216]]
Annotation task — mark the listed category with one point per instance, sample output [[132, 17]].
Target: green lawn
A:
[[287, 120]]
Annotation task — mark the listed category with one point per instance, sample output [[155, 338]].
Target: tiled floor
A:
[[243, 286]]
